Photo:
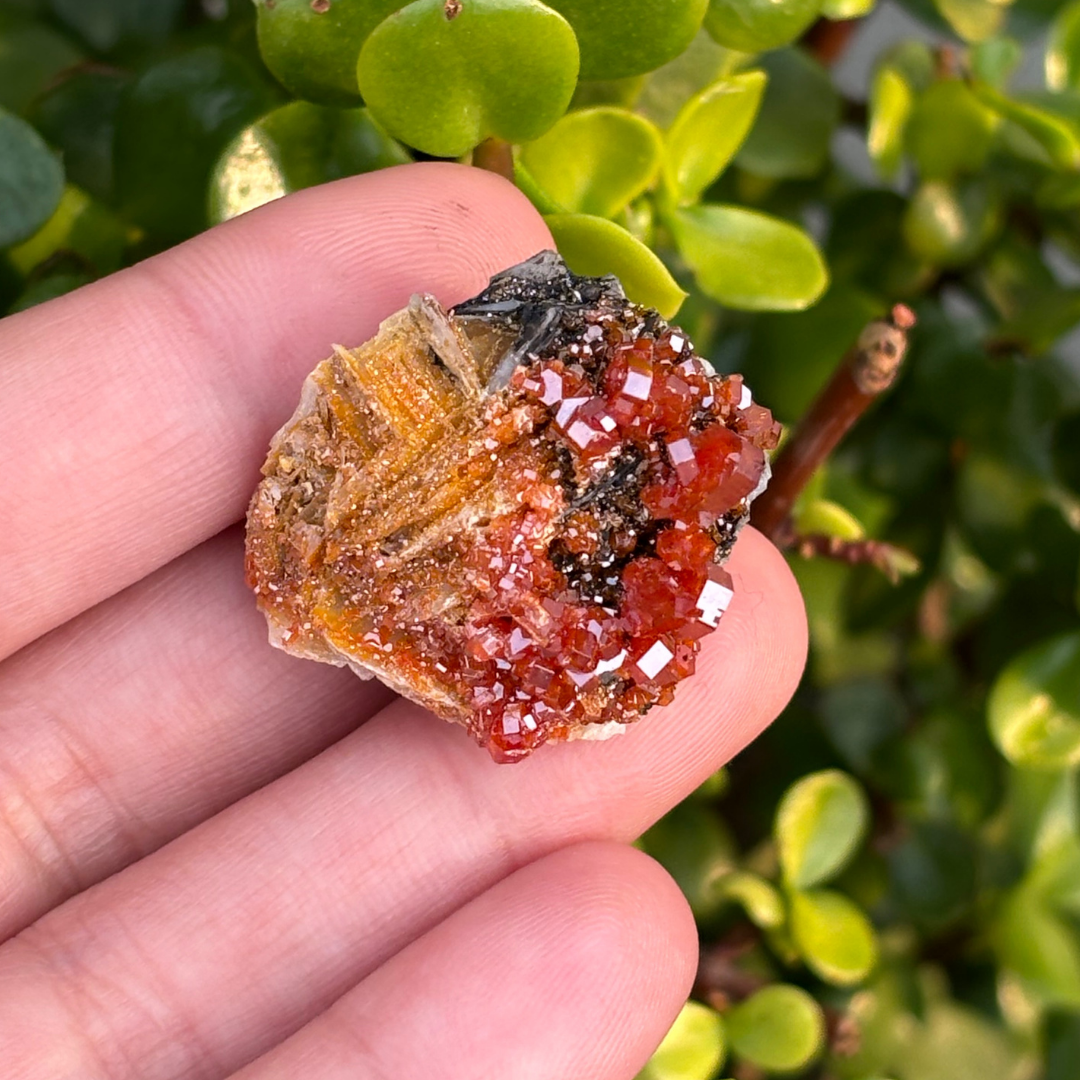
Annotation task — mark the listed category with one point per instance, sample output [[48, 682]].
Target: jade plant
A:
[[887, 883]]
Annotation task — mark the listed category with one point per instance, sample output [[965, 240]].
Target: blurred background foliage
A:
[[887, 883]]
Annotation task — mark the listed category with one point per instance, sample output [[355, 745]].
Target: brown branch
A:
[[868, 370], [495, 155], [894, 562], [827, 40]]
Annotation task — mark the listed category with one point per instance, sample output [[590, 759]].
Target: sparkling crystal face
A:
[[542, 560]]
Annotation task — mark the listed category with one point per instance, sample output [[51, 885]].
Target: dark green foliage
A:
[[900, 854]]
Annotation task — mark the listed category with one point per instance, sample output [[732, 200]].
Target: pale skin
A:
[[217, 860]]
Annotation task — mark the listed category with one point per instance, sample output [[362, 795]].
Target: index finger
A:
[[137, 410]]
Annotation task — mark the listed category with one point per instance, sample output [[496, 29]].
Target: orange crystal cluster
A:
[[599, 481]]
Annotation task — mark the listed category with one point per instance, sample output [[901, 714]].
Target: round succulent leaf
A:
[[632, 36], [824, 517], [312, 48], [1054, 138], [841, 10], [595, 161], [104, 24], [749, 260], [820, 822], [891, 102], [692, 844], [833, 936], [781, 1028], [172, 125], [950, 131], [708, 131], [756, 25], [799, 112], [759, 898], [973, 20], [31, 180], [1063, 49], [949, 224], [79, 226], [993, 61], [78, 117], [501, 68], [1034, 705], [1039, 947], [693, 1049], [32, 55], [593, 245], [667, 89], [296, 146]]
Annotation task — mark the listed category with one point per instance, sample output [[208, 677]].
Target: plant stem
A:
[[894, 562], [827, 40], [495, 155], [866, 371]]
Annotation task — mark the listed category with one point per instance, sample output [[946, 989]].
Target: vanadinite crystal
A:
[[513, 512]]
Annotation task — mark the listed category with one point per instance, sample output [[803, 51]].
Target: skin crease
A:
[[214, 857]]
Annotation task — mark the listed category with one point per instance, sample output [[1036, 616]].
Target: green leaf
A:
[[760, 899], [949, 224], [891, 102], [632, 38], [1034, 705], [756, 25], [833, 936], [691, 843], [502, 68], [693, 1049], [173, 123], [749, 260], [799, 113], [294, 147], [104, 24], [840, 10], [708, 131], [595, 161], [1053, 135], [973, 20], [312, 49], [780, 1028], [31, 57], [993, 61], [820, 823], [1063, 49], [823, 517], [950, 131], [49, 288], [1039, 947], [31, 180], [593, 245], [78, 117], [79, 226]]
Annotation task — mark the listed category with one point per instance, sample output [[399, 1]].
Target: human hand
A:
[[216, 858]]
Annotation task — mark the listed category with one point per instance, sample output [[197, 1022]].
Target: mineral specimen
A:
[[514, 512]]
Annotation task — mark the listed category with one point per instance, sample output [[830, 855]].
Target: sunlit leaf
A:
[[833, 936], [593, 245], [949, 224], [708, 131], [1034, 706], [31, 180], [1054, 135], [294, 147], [1063, 49], [993, 61], [973, 20], [950, 131], [780, 1028], [693, 1049], [891, 102], [819, 824], [595, 161], [826, 518], [749, 260], [501, 68], [839, 10], [760, 899]]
